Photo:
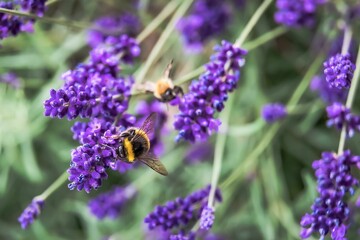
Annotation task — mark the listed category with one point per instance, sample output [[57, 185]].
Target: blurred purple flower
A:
[[178, 213], [330, 211], [207, 218], [339, 115], [143, 110], [110, 204], [11, 79], [183, 236], [199, 152], [207, 19], [36, 7], [327, 93], [339, 71], [106, 26], [206, 96], [95, 88], [273, 112], [297, 13], [31, 212]]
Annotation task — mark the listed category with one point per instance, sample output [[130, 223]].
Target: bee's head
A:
[[130, 133]]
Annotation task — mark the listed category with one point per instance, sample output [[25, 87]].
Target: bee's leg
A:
[[178, 90], [168, 69], [122, 152]]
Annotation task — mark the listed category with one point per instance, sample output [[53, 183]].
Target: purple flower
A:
[[33, 6], [110, 204], [96, 88], [31, 212], [206, 96], [207, 218], [183, 236], [199, 152], [273, 112], [208, 18], [11, 79], [144, 109], [339, 115], [327, 93], [178, 213], [90, 161], [127, 23], [11, 25], [330, 211], [339, 71], [296, 13]]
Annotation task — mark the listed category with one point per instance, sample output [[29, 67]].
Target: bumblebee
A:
[[135, 145], [164, 89]]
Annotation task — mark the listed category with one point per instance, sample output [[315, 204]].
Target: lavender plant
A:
[[248, 132]]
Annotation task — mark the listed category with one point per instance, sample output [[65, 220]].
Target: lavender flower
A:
[[127, 23], [208, 18], [95, 88], [330, 211], [273, 112], [10, 25], [207, 218], [199, 152], [339, 71], [31, 212], [90, 161], [143, 110], [297, 13], [183, 236], [178, 213], [327, 93], [110, 204], [207, 95], [339, 115], [33, 6], [11, 79]]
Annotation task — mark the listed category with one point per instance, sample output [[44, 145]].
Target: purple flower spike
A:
[[207, 218], [31, 212], [273, 112], [297, 13], [339, 115], [10, 25], [207, 19], [11, 79], [327, 93], [206, 96], [127, 23], [110, 204], [330, 212], [339, 71], [33, 6], [183, 236], [178, 213]]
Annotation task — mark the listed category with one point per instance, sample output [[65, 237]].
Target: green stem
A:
[[265, 38], [54, 186], [219, 152], [347, 40], [162, 40], [168, 9], [252, 22], [251, 160], [349, 101], [189, 76], [48, 3], [63, 22]]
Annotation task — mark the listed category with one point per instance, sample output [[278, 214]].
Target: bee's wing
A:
[[153, 162], [148, 126]]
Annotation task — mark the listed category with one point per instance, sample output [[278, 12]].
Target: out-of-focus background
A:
[[274, 187]]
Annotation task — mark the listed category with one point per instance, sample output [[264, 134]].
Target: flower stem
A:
[[347, 40], [50, 2], [265, 38], [54, 186], [252, 159], [350, 100], [63, 22], [189, 76], [250, 25], [168, 9], [162, 40], [219, 151]]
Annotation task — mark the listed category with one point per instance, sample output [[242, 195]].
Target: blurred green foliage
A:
[[265, 202]]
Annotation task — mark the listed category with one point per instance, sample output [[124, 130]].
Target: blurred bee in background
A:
[[164, 89], [135, 145]]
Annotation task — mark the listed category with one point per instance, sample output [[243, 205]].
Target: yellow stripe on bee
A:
[[144, 135], [129, 150]]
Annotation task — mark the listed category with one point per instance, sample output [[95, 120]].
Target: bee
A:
[[135, 145], [164, 89]]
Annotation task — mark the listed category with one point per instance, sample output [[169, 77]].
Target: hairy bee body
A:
[[134, 149]]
